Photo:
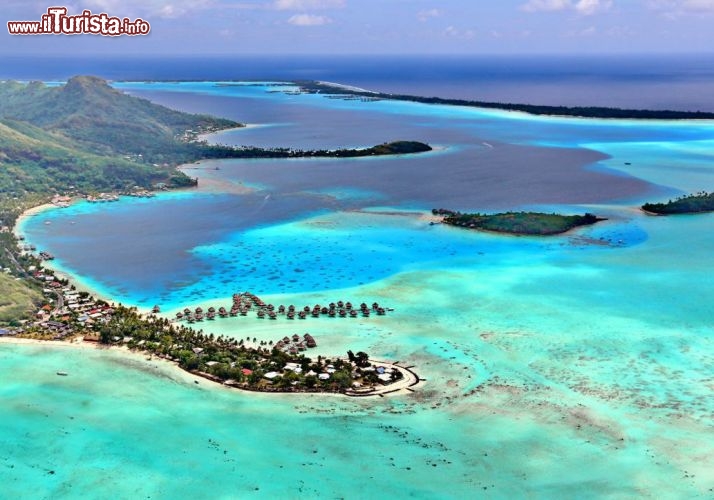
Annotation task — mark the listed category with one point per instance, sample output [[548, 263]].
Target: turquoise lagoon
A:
[[578, 366]]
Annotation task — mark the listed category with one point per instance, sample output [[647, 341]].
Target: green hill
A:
[[33, 160], [87, 136], [105, 121]]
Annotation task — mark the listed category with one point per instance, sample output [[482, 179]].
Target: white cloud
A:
[[546, 5], [674, 9], [589, 7], [308, 4], [699, 5], [583, 7], [454, 32], [425, 15], [309, 20]]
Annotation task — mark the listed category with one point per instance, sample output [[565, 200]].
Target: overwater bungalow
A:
[[261, 314], [302, 315], [179, 315], [222, 312], [281, 309], [156, 309], [342, 313]]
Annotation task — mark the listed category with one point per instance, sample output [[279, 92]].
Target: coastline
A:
[[403, 386], [96, 346], [30, 212], [78, 283]]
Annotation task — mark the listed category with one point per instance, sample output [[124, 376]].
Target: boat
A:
[[62, 374]]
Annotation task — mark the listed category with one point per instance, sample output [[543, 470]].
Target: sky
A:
[[195, 27]]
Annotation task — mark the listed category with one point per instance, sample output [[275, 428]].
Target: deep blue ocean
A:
[[632, 81]]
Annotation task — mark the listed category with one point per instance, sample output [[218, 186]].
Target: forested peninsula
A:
[[315, 87]]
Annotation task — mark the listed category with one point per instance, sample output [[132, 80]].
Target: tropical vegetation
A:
[[519, 223], [690, 204]]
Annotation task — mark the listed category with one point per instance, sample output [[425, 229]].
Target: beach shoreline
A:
[[403, 386], [30, 212]]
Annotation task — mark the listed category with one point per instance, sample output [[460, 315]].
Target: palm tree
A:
[[362, 359]]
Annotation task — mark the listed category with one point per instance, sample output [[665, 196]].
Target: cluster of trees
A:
[[693, 203], [222, 357], [525, 223]]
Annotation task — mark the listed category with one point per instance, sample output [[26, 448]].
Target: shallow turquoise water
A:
[[576, 366]]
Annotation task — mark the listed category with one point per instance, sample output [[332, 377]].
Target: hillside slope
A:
[[105, 121]]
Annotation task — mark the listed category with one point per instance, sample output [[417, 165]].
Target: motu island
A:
[[519, 223], [579, 111], [691, 204]]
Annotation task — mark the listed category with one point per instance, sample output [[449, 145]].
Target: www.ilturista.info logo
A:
[[57, 22]]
